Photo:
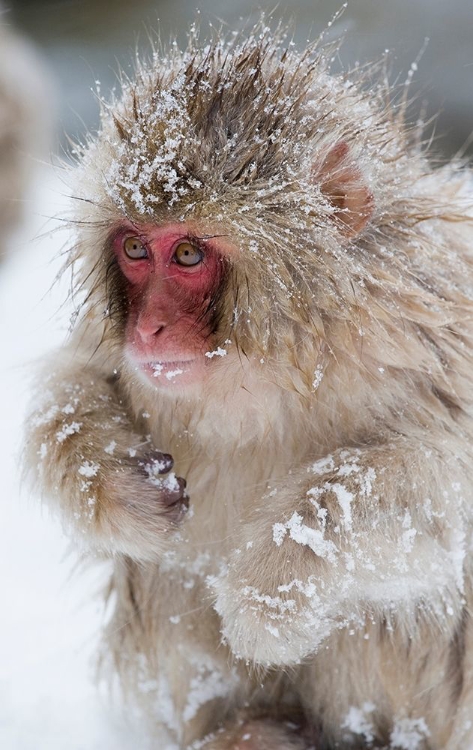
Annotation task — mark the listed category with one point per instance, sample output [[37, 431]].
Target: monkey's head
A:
[[228, 209]]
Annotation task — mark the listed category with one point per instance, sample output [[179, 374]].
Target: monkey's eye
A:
[[134, 248], [186, 254]]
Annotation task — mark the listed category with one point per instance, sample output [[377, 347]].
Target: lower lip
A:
[[179, 372]]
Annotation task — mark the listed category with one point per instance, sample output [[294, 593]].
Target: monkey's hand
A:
[[108, 482], [147, 503], [360, 534]]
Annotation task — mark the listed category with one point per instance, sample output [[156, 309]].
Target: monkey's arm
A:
[[105, 479], [364, 533]]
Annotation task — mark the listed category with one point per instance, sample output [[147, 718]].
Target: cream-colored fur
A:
[[322, 575]]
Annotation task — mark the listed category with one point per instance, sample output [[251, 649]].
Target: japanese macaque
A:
[[264, 415], [25, 122]]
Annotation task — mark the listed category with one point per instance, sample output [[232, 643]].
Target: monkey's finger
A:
[[176, 493], [163, 462], [157, 464]]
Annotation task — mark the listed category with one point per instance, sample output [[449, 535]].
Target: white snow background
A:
[[50, 613]]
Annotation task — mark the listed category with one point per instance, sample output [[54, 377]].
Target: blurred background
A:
[[85, 40], [52, 53]]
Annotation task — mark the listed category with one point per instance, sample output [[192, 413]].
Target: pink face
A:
[[172, 277]]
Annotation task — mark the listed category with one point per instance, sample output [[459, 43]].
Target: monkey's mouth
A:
[[169, 370], [165, 373]]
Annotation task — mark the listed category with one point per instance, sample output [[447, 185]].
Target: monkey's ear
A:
[[341, 181]]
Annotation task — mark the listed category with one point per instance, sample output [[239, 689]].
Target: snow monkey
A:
[[264, 415]]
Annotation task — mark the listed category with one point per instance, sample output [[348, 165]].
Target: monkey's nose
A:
[[148, 330]]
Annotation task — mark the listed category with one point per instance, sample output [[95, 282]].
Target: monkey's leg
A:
[[106, 480], [254, 735], [351, 534], [376, 687], [348, 542]]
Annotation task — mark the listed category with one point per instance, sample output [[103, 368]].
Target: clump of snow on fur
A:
[[345, 499], [172, 374], [89, 469], [323, 465], [110, 448], [219, 352], [409, 535], [305, 535], [318, 377], [208, 683], [409, 734], [349, 466], [67, 430], [357, 721], [168, 482], [154, 468]]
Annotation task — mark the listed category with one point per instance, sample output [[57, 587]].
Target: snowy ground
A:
[[50, 615]]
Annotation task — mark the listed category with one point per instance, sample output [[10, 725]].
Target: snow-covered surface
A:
[[51, 614]]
